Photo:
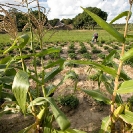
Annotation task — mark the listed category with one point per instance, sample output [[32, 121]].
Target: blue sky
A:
[[70, 8]]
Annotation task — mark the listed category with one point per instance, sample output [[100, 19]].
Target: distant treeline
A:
[[117, 26], [81, 21]]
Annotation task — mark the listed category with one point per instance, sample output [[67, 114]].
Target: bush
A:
[[102, 41], [38, 62], [69, 100], [115, 47], [94, 77], [72, 55], [105, 47], [54, 55], [87, 55], [83, 50], [71, 46], [71, 51], [95, 51], [102, 56]]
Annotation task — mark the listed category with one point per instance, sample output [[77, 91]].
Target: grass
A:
[[68, 36], [65, 36], [5, 38], [76, 35]]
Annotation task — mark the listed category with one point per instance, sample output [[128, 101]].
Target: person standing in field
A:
[[95, 37]]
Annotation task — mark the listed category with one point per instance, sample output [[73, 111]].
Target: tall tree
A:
[[83, 20], [66, 21], [21, 19], [53, 22]]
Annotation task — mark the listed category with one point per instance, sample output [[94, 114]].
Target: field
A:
[[69, 36], [74, 45]]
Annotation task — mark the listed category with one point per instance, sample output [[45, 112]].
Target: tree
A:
[[53, 22], [66, 21], [83, 20], [21, 18], [43, 17], [78, 21]]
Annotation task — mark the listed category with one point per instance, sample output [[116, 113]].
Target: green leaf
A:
[[127, 117], [20, 88], [50, 89], [50, 75], [109, 57], [123, 75], [97, 65], [129, 36], [40, 54], [5, 60], [125, 13], [110, 88], [47, 130], [2, 67], [70, 74], [7, 95], [53, 64], [25, 39], [3, 112], [127, 55], [97, 95], [59, 115], [48, 51], [106, 26], [38, 101], [1, 90], [10, 72], [6, 79], [105, 127], [12, 47], [126, 87], [27, 129], [70, 131]]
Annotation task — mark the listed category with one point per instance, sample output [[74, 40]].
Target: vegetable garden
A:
[[39, 78]]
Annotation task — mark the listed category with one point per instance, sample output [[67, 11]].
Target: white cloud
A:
[[70, 8]]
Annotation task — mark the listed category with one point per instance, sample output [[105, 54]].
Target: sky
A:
[[70, 8]]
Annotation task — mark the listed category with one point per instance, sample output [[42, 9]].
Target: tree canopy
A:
[[22, 18], [53, 22], [66, 21], [83, 20]]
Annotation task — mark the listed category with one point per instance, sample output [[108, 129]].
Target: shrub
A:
[[71, 46], [69, 100], [87, 55], [105, 47], [95, 51], [83, 50], [102, 56], [54, 56], [102, 41], [72, 55], [71, 51], [115, 47], [38, 62], [71, 65]]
